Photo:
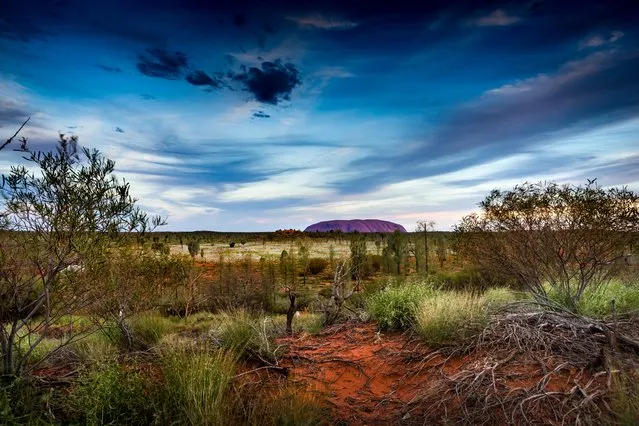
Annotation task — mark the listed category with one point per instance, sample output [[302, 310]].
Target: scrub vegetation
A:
[[526, 313]]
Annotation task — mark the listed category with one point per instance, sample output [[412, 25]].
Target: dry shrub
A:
[[531, 366]]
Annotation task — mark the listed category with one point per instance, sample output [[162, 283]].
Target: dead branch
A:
[[8, 141]]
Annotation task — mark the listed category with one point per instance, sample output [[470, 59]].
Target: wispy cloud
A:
[[598, 40], [498, 18], [322, 22]]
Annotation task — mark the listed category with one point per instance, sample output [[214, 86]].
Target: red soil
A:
[[370, 378]]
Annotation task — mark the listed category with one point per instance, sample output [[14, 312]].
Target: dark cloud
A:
[[200, 78], [119, 130], [12, 114], [109, 68], [261, 114], [271, 83], [161, 63]]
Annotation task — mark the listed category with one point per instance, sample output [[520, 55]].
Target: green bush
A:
[[197, 387], [317, 265], [447, 316], [395, 306], [111, 395], [375, 261], [94, 348], [246, 335], [148, 328], [598, 302], [470, 279], [23, 401]]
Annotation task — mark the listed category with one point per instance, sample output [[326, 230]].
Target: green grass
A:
[[497, 297], [148, 328], [624, 400], [306, 322], [395, 306], [447, 316], [94, 348], [597, 302], [197, 387], [111, 395], [247, 335], [287, 407]]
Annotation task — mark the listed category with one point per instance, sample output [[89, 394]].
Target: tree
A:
[[424, 226], [441, 251], [358, 258], [396, 249], [568, 237], [74, 212], [194, 248]]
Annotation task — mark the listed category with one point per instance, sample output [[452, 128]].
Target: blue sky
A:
[[267, 115]]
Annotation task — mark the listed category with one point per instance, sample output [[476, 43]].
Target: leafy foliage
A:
[[572, 237]]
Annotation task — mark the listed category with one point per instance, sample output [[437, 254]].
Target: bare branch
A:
[[15, 134]]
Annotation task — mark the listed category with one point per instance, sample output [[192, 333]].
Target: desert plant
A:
[[232, 244], [340, 293], [317, 265], [197, 387], [148, 328], [110, 395], [499, 296], [358, 258], [396, 250], [194, 248], [445, 317], [597, 301], [395, 306], [246, 335], [571, 237], [423, 228], [72, 213]]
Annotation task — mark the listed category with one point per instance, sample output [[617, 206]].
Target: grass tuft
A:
[[395, 306], [197, 386], [448, 316], [247, 335]]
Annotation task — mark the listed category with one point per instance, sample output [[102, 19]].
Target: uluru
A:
[[355, 225]]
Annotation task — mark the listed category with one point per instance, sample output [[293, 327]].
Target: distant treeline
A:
[[212, 237]]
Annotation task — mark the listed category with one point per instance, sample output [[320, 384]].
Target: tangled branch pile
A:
[[532, 367]]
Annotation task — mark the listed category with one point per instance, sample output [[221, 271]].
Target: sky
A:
[[257, 116]]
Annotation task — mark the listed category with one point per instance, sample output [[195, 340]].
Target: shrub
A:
[[538, 234], [94, 348], [597, 301], [246, 335], [197, 387], [232, 244], [395, 306], [148, 328], [317, 265], [109, 394], [23, 402], [447, 316], [375, 262]]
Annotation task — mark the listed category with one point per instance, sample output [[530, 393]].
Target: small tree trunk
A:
[[290, 314]]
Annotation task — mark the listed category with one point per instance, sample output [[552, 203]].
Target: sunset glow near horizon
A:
[[257, 116]]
